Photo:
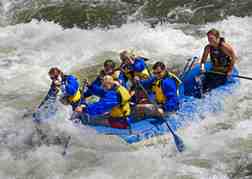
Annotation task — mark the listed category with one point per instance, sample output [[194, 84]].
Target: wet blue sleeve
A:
[[169, 88], [110, 100], [148, 82], [139, 65]]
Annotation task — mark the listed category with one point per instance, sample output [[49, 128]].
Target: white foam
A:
[[37, 46]]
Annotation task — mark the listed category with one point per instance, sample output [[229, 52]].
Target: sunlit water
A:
[[220, 146]]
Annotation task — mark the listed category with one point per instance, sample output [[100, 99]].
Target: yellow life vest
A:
[[157, 88], [75, 98], [123, 109], [143, 75], [128, 73]]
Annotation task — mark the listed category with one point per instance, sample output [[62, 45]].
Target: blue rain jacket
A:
[[109, 100], [169, 88]]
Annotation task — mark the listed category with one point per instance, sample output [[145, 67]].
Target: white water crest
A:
[[220, 146]]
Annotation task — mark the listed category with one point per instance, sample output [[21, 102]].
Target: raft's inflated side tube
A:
[[190, 82]]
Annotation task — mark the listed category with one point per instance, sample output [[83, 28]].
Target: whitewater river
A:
[[218, 147]]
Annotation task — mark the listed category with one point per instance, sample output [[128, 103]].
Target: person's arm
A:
[[110, 100], [169, 89], [204, 57], [148, 82], [54, 89], [96, 87], [228, 50]]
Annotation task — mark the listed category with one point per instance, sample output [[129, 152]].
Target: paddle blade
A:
[[179, 143]]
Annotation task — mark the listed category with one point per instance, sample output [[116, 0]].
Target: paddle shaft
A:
[[188, 67], [66, 145], [224, 74], [178, 141], [47, 97]]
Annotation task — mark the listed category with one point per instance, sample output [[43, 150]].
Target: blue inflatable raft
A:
[[190, 110]]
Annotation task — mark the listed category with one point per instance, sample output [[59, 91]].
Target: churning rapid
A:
[[218, 146]]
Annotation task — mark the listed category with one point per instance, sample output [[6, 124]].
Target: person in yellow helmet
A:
[[222, 57], [114, 105]]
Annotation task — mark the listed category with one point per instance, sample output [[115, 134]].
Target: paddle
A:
[[66, 145], [237, 76], [178, 141], [47, 107], [188, 66]]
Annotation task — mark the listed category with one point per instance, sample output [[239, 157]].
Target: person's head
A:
[[159, 70], [213, 37], [108, 82], [109, 66], [55, 73], [126, 57]]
